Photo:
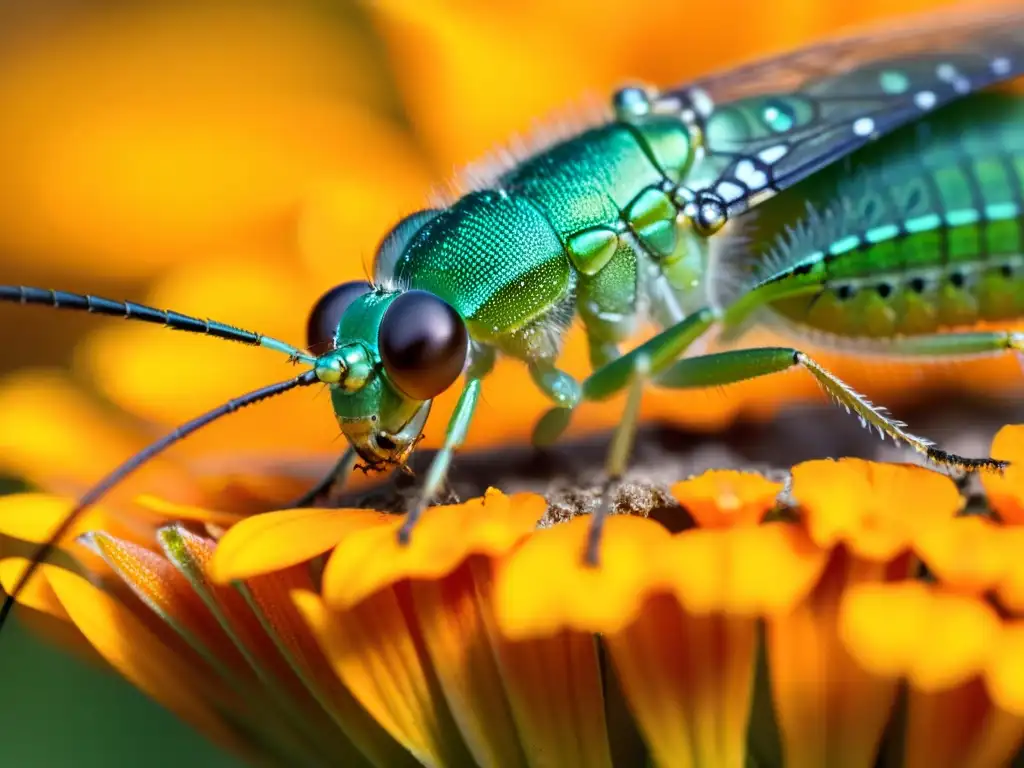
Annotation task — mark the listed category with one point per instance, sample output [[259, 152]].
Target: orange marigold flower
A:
[[309, 637]]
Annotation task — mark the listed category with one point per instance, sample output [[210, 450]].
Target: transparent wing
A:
[[770, 124]]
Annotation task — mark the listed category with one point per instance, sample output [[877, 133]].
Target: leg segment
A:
[[618, 454], [734, 366], [458, 425], [341, 470], [660, 351]]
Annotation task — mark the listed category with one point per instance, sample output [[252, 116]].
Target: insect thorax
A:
[[589, 226]]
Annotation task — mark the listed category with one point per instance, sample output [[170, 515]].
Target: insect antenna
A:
[[109, 482], [129, 310], [175, 321]]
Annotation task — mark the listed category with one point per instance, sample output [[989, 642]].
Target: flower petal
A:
[[36, 594], [455, 613], [830, 710], [935, 639], [959, 727], [689, 682], [1004, 674], [882, 509], [370, 558], [270, 598], [1005, 490], [137, 654], [376, 654], [1010, 590], [725, 568], [545, 587], [967, 554], [169, 595], [555, 692], [721, 498], [274, 540]]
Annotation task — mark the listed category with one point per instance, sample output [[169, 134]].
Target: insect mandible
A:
[[622, 220]]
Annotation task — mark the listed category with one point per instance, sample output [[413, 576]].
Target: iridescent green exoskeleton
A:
[[901, 221]]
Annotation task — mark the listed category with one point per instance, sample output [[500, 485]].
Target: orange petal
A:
[[958, 728], [882, 507], [169, 595], [136, 653], [967, 554], [274, 540], [830, 710], [689, 682], [1010, 590], [1005, 489], [722, 498], [271, 599], [370, 558], [555, 693], [456, 617], [1004, 672], [883, 626], [376, 654], [545, 587], [728, 569], [36, 593]]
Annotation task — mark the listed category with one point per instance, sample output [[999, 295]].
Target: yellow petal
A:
[[937, 640], [830, 710], [36, 594], [135, 652], [967, 554], [168, 510], [555, 692], [275, 540], [882, 509], [576, 596], [721, 498], [725, 569], [455, 614], [1005, 490], [369, 559], [689, 682], [1010, 589], [375, 653]]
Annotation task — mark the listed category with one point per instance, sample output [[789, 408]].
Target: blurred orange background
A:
[[236, 158]]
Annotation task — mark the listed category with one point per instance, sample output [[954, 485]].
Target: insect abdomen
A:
[[924, 234]]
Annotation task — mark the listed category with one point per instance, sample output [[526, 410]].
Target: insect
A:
[[918, 229]]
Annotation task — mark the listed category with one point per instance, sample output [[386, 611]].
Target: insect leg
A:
[[480, 365], [730, 367], [660, 350], [339, 472], [956, 346], [618, 454], [561, 388]]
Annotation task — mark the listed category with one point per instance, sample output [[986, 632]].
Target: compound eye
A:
[[326, 314], [423, 343]]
